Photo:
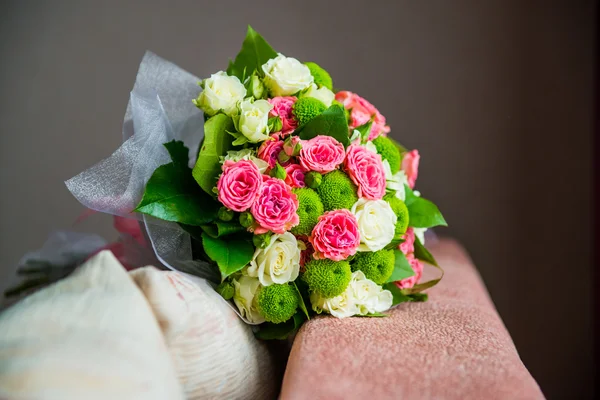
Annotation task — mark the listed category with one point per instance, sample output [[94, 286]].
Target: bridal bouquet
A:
[[294, 200]]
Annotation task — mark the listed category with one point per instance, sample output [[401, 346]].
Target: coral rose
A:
[[282, 108], [269, 151], [365, 168], [295, 175], [335, 236], [361, 111], [321, 154], [275, 208], [408, 246], [410, 166], [239, 185]]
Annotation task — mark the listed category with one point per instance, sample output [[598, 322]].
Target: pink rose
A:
[[335, 236], [269, 150], [417, 267], [321, 153], [239, 184], [408, 246], [275, 208], [410, 166], [361, 111], [282, 108], [365, 168], [295, 175]]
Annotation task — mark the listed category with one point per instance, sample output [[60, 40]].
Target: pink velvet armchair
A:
[[455, 346]]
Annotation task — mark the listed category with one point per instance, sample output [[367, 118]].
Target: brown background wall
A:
[[497, 96]]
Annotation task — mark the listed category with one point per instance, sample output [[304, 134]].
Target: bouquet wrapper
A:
[[159, 110]]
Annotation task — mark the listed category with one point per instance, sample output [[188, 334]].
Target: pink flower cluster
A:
[[408, 248], [271, 201], [335, 236], [361, 112], [365, 168]]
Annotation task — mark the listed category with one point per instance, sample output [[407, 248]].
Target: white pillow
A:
[[89, 336], [214, 352]]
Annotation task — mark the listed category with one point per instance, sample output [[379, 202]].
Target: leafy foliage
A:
[[171, 193], [269, 331], [216, 144], [422, 212], [231, 255], [402, 268], [254, 53], [331, 122]]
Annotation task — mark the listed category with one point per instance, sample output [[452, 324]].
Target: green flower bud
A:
[[313, 179], [337, 191], [377, 266], [262, 240], [278, 303], [278, 172], [327, 278], [306, 108], [310, 208], [257, 88], [246, 219], [275, 124], [282, 157], [225, 214], [388, 151], [226, 290]]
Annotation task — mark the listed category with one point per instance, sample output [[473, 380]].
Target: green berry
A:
[[377, 266], [306, 108], [310, 208], [225, 214], [246, 219], [322, 77], [337, 191], [401, 212], [278, 303], [327, 278], [388, 151]]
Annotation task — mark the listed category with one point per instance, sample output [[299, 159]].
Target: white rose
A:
[[341, 306], [254, 119], [249, 155], [285, 76], [420, 234], [245, 298], [279, 262], [395, 181], [376, 223], [369, 297], [323, 94], [371, 147], [221, 93]]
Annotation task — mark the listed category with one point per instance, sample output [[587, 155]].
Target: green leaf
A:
[[178, 152], [301, 299], [422, 213], [218, 229], [215, 145], [231, 255], [254, 53], [421, 253], [171, 194], [372, 315], [331, 122], [365, 130], [397, 295], [418, 297], [269, 331], [402, 268]]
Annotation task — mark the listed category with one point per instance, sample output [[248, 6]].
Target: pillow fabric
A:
[[90, 336], [214, 352]]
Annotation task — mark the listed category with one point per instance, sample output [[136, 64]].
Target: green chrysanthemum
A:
[[277, 303], [377, 266], [401, 212], [337, 191], [388, 151], [306, 108], [322, 77], [310, 208], [327, 278]]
